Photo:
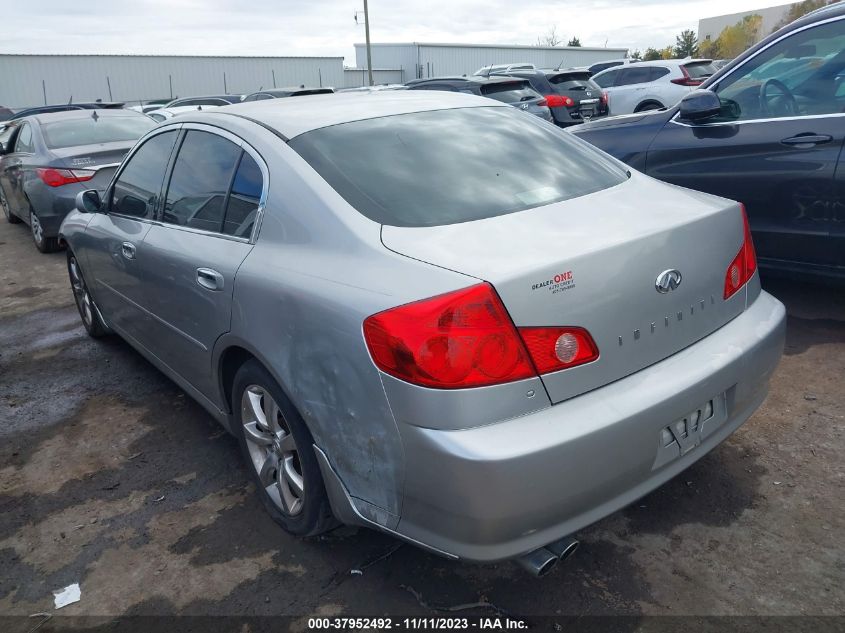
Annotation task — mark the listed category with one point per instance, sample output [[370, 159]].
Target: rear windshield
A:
[[90, 131], [700, 70], [450, 166], [510, 92], [572, 81]]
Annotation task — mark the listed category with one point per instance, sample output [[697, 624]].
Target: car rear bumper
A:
[[498, 491]]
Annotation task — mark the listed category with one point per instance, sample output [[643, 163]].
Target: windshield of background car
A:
[[450, 166], [572, 81], [510, 92], [90, 131]]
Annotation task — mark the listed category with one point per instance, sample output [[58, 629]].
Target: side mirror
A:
[[88, 201], [699, 105]]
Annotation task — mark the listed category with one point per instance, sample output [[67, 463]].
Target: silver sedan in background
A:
[[427, 313]]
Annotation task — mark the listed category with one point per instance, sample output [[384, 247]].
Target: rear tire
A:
[[648, 107], [11, 218], [42, 242], [88, 311], [279, 453]]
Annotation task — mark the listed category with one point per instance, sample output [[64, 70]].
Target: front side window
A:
[[201, 177], [455, 165], [24, 141], [138, 187], [798, 76]]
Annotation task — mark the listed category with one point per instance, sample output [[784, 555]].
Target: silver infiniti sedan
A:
[[430, 313]]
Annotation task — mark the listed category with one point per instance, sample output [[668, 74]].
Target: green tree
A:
[[636, 54], [709, 49], [686, 44], [800, 9], [574, 42], [651, 54], [735, 39]]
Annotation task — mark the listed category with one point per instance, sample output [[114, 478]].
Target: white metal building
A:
[[711, 28], [418, 59], [30, 80]]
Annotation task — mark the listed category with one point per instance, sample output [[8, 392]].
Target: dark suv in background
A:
[[570, 94], [511, 90]]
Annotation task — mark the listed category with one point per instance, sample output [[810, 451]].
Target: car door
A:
[[111, 249], [630, 88], [14, 171], [774, 147], [193, 253], [606, 82]]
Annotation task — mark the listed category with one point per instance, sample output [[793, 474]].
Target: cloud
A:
[[326, 27]]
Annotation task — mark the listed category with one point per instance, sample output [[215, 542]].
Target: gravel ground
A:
[[111, 477]]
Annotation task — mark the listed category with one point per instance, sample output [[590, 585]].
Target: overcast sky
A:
[[326, 27]]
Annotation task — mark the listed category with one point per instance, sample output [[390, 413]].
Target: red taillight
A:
[[605, 98], [58, 177], [556, 348], [686, 80], [461, 339], [744, 264], [467, 339], [555, 101]]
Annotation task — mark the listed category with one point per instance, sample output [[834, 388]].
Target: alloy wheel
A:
[[37, 229], [80, 294], [273, 450]]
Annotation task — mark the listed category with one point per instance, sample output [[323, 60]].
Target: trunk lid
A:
[[593, 262], [103, 158]]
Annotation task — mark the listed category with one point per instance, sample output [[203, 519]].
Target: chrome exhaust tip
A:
[[564, 548], [539, 562]]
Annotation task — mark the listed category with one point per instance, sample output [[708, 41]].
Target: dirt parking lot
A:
[[111, 477]]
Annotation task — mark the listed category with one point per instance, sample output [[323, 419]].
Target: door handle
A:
[[209, 279], [127, 249], [807, 139]]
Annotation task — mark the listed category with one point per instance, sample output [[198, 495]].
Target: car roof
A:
[[223, 97], [292, 117], [476, 79]]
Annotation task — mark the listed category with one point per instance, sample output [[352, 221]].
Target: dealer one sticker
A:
[[559, 283]]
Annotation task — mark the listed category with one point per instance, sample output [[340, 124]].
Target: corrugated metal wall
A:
[[87, 77], [356, 77], [432, 60]]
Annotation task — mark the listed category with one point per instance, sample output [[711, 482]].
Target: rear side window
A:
[[450, 166], [137, 189], [24, 141], [657, 72], [244, 198], [511, 92], [92, 131], [201, 177], [634, 75]]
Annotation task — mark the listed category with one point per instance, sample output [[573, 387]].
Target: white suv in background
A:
[[652, 85]]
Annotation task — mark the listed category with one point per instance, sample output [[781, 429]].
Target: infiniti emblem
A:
[[667, 280]]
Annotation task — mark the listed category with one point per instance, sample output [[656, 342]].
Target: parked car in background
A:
[[149, 106], [610, 63], [570, 94], [64, 107], [428, 314], [721, 63], [767, 130], [49, 158], [514, 91], [211, 100], [161, 114], [5, 113], [376, 88], [280, 93], [503, 68], [652, 85]]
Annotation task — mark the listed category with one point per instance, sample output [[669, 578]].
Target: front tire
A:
[[11, 218], [279, 452], [42, 242], [84, 301]]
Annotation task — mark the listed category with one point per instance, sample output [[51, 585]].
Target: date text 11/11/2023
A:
[[417, 623]]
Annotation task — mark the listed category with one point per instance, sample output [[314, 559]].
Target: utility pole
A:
[[367, 34]]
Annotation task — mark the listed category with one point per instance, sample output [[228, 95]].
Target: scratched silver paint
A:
[[482, 474]]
